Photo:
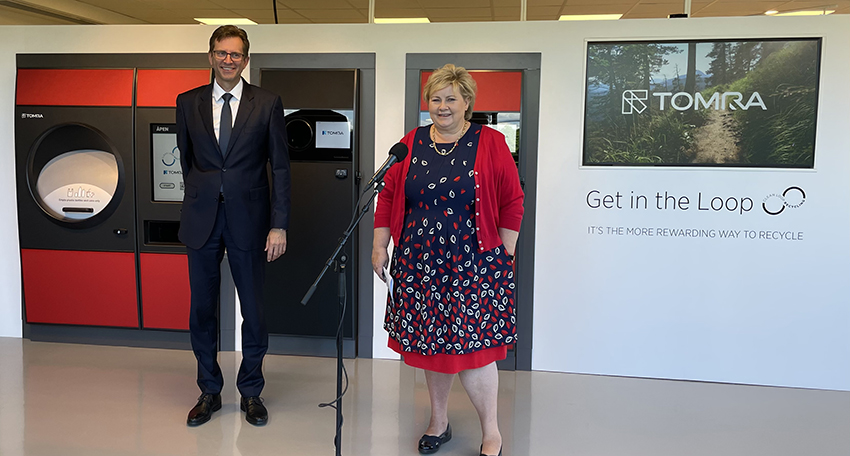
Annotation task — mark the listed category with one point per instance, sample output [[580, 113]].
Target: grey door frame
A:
[[529, 64], [364, 166]]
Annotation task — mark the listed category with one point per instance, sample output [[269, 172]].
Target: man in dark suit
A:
[[227, 133]]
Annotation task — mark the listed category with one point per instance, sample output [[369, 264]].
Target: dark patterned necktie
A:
[[226, 124]]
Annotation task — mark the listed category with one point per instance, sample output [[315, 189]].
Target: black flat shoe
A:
[[481, 451], [430, 444], [255, 411], [202, 411]]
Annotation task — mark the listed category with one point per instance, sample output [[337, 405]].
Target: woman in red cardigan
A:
[[453, 209]]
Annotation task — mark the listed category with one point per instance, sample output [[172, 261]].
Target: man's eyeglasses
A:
[[235, 56]]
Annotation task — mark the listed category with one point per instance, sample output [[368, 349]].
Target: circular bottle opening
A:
[[299, 133], [75, 175]]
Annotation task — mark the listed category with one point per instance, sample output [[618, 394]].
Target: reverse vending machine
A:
[[99, 194], [74, 151], [320, 107], [163, 266]]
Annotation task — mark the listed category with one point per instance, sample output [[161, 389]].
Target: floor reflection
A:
[[67, 399]]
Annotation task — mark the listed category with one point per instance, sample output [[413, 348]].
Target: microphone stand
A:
[[338, 260]]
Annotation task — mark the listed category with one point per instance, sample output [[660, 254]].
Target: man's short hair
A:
[[230, 31]]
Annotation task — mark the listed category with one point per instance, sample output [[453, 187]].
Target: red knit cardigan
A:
[[498, 195]]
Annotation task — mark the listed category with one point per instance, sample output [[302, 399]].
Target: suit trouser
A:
[[247, 268]]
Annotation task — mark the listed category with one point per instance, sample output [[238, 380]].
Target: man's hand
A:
[[275, 244]]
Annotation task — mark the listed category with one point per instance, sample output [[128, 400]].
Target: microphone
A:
[[397, 153]]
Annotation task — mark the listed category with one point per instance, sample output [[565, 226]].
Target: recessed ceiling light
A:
[[225, 21], [402, 20], [590, 17], [810, 12]]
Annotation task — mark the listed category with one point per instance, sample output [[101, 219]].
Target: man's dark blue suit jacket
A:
[[258, 139]]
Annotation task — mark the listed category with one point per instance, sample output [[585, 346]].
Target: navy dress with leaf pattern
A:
[[448, 298]]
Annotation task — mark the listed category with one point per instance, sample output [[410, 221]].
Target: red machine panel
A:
[[74, 87], [165, 290], [80, 288], [159, 88], [499, 91]]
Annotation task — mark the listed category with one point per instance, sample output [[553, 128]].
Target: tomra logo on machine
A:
[[635, 101]]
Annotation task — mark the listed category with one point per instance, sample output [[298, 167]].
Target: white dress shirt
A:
[[218, 102]]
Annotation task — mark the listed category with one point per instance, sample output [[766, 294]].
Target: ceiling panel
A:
[[12, 16], [456, 13], [191, 13], [399, 12], [313, 4], [383, 4], [465, 4], [340, 11], [246, 4], [268, 13], [180, 4], [507, 12], [654, 10], [746, 8], [517, 3], [549, 12], [624, 3], [531, 3], [118, 6], [350, 15]]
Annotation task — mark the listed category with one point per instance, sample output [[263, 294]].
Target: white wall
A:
[[776, 316]]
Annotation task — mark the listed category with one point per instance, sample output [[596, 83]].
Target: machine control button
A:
[[341, 173]]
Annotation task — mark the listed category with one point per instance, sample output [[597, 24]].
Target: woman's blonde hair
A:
[[458, 78]]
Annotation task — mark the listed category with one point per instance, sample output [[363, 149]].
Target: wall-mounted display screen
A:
[[167, 171], [733, 103]]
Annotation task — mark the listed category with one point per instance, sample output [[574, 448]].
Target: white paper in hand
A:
[[388, 280]]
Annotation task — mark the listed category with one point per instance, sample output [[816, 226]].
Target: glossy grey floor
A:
[[65, 399]]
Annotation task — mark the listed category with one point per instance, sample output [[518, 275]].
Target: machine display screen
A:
[[167, 172]]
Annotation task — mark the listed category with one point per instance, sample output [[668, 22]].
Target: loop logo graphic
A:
[[791, 198], [170, 158]]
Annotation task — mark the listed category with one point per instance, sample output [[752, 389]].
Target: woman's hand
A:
[[509, 238], [380, 260], [380, 257]]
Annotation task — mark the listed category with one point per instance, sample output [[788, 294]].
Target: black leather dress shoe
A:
[[430, 444], [481, 451], [202, 411], [255, 411]]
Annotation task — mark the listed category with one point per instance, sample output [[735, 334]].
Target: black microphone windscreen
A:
[[399, 150]]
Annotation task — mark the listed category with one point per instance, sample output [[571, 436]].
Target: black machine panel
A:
[[159, 188], [75, 166], [321, 127], [320, 214]]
